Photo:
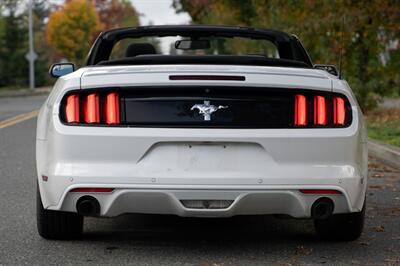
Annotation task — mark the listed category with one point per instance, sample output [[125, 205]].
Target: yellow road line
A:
[[18, 119]]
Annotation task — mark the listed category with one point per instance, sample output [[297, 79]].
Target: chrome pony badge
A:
[[206, 109]]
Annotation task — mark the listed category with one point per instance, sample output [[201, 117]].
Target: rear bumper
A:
[[153, 169], [171, 201]]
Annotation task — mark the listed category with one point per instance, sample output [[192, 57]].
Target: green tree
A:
[[13, 65], [370, 29], [42, 49]]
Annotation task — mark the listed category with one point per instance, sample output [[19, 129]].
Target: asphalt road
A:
[[169, 240]]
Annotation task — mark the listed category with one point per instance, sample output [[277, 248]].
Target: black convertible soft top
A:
[[291, 52]]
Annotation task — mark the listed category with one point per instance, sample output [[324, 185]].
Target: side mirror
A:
[[60, 69], [331, 69]]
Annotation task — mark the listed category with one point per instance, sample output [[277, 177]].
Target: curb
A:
[[388, 154], [25, 92]]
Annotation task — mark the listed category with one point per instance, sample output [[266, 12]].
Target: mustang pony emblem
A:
[[206, 109]]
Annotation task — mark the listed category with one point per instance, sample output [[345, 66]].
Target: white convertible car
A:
[[200, 121]]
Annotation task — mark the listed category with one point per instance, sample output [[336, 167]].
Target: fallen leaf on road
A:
[[379, 228], [373, 165], [284, 264], [301, 250], [393, 261], [391, 211], [375, 186]]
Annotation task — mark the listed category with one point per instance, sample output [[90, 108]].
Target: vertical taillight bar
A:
[[320, 118], [300, 110], [91, 109], [72, 109], [339, 111], [112, 109]]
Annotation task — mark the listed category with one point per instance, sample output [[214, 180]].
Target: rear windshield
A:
[[178, 45]]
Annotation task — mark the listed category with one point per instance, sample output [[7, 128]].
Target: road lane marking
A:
[[18, 119]]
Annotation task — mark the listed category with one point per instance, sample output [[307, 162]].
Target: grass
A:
[[384, 125]]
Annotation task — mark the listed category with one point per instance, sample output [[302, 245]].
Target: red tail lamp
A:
[[320, 111], [93, 190], [72, 109], [339, 111], [320, 191], [300, 110], [91, 109], [112, 116]]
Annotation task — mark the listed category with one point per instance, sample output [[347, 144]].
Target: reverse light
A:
[[320, 111], [72, 109], [112, 116], [339, 111], [300, 110], [91, 109]]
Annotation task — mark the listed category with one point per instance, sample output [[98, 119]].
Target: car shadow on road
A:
[[167, 228]]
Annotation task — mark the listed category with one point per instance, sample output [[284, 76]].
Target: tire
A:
[[341, 227], [57, 224]]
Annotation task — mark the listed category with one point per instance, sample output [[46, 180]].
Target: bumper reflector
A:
[[320, 191], [92, 190]]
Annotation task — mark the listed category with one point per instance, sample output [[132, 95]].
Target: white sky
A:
[[159, 12]]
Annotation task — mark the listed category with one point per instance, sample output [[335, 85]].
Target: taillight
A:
[[72, 109], [320, 111], [300, 110], [112, 109], [92, 108], [339, 111]]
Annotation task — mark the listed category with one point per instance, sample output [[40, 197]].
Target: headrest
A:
[[135, 49]]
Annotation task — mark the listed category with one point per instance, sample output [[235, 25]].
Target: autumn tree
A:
[[117, 13], [71, 28]]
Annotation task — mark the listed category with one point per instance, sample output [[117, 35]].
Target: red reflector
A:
[[300, 110], [72, 109], [339, 111], [320, 191], [112, 109], [92, 113], [93, 189], [319, 110]]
